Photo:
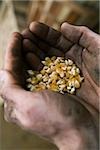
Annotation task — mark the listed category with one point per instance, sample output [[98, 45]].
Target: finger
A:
[[42, 50], [29, 46], [34, 61], [49, 50], [81, 35], [13, 55], [75, 53], [27, 34], [50, 35]]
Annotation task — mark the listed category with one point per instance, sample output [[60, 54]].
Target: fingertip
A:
[[16, 35], [33, 25], [14, 43], [39, 29], [64, 25]]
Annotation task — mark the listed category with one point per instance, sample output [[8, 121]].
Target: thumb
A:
[[81, 35], [71, 32]]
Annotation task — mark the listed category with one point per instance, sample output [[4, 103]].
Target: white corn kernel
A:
[[66, 62], [61, 81], [69, 87], [81, 79], [32, 88], [28, 80], [69, 68], [45, 79], [70, 62], [77, 70], [72, 90], [47, 58], [62, 86], [43, 62], [53, 58], [39, 76], [45, 67], [61, 74], [30, 72], [48, 70], [29, 85]]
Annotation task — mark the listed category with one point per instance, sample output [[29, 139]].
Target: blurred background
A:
[[15, 16]]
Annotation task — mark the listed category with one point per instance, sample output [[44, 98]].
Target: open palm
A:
[[78, 43]]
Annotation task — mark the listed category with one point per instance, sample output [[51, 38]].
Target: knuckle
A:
[[16, 35], [84, 29]]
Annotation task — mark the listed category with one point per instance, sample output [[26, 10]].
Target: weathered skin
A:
[[70, 122]]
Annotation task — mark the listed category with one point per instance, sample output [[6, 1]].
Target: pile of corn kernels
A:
[[57, 75]]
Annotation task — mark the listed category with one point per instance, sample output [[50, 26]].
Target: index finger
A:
[[51, 36]]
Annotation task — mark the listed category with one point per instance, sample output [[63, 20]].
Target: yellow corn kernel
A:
[[79, 78], [42, 72], [69, 68], [34, 80], [61, 81], [77, 84], [48, 62], [58, 70], [53, 87], [33, 88], [48, 70]]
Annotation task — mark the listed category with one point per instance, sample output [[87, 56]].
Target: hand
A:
[[78, 43], [49, 114], [85, 52]]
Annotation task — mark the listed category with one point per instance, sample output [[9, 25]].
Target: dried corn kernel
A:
[[39, 76], [57, 74], [70, 62], [77, 84], [72, 90]]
